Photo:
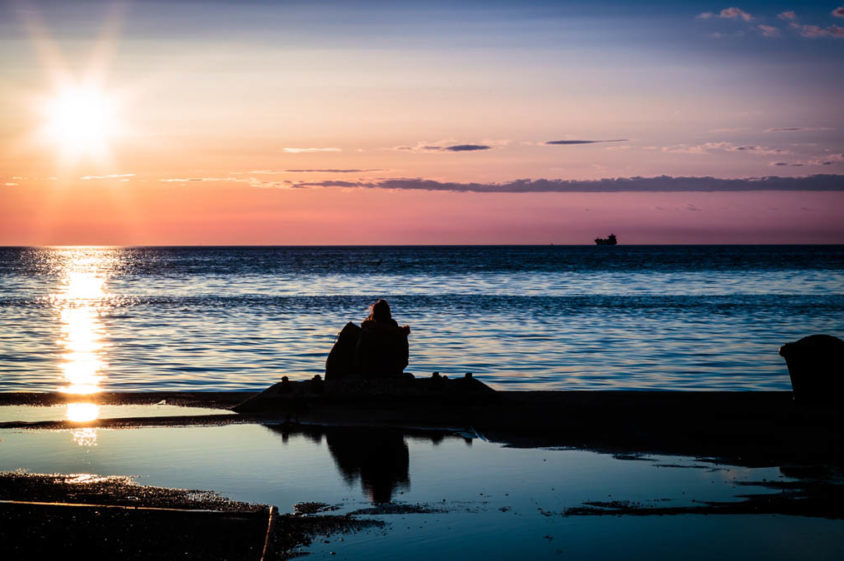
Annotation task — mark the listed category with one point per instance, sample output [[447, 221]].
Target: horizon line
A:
[[549, 244]]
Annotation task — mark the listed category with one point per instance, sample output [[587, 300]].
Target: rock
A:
[[816, 367], [341, 360], [316, 384]]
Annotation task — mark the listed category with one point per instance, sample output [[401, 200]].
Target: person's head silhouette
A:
[[380, 311]]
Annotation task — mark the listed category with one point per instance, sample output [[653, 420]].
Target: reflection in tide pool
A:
[[85, 437], [82, 412], [483, 501]]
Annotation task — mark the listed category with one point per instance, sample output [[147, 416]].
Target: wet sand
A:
[[66, 516], [822, 499]]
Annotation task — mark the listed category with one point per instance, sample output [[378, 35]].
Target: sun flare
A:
[[81, 121]]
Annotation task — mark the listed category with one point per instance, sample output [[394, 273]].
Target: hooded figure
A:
[[376, 349], [382, 349]]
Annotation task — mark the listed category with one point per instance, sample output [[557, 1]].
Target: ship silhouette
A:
[[611, 240]]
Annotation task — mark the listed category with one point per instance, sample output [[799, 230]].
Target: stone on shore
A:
[[816, 366]]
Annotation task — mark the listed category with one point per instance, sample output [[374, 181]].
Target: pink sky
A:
[[267, 123], [109, 212]]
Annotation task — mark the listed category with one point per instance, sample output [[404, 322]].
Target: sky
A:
[[275, 122]]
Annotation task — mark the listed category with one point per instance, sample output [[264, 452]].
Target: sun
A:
[[81, 121]]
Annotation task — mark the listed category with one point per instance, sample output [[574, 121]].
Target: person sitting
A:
[[382, 349], [376, 349]]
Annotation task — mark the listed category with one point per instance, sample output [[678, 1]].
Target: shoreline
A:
[[743, 428], [210, 400]]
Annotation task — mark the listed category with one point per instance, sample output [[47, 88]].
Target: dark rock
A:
[[286, 386], [816, 367], [316, 384], [341, 360]]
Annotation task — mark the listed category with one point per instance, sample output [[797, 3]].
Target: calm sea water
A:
[[489, 502], [550, 317]]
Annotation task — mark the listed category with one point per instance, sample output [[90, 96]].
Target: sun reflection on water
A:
[[80, 300], [82, 340], [85, 437], [82, 412]]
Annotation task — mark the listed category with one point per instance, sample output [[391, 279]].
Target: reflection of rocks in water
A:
[[380, 459]]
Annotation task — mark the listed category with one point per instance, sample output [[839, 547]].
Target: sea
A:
[[89, 319]]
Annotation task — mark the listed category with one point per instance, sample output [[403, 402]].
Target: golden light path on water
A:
[[80, 300]]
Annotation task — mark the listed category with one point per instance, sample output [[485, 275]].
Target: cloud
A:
[[735, 13], [328, 170], [109, 176], [826, 159], [306, 150], [662, 183], [335, 183], [709, 147], [816, 31], [769, 30], [786, 164], [466, 147], [798, 129], [730, 130], [443, 146], [727, 13], [573, 142], [760, 150], [250, 181]]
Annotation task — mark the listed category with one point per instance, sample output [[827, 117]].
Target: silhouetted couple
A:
[[376, 349]]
